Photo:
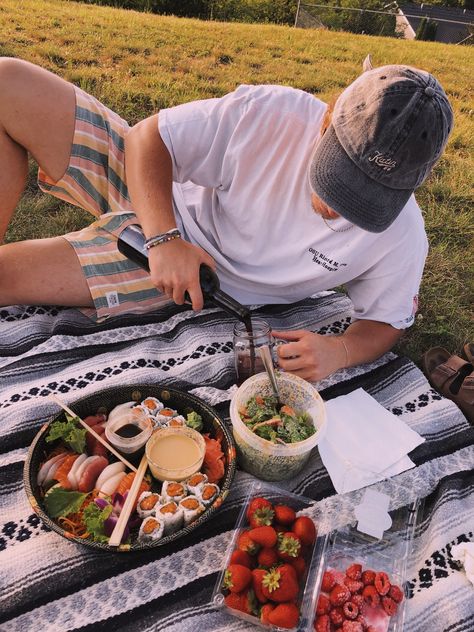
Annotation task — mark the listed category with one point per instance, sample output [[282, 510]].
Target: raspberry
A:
[[358, 600], [363, 622], [352, 626], [382, 583], [353, 585], [322, 624], [329, 581], [368, 577], [354, 571], [389, 606], [324, 605], [395, 593], [371, 596], [337, 616], [339, 595], [371, 628], [350, 610]]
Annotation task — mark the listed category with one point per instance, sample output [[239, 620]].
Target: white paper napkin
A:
[[464, 553], [364, 443]]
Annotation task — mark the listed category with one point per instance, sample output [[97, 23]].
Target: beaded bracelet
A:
[[174, 233]]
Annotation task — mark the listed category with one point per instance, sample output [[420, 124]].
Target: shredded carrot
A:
[[74, 523]]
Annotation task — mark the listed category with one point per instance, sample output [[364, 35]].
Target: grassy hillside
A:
[[138, 63]]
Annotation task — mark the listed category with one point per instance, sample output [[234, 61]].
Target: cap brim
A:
[[349, 191]]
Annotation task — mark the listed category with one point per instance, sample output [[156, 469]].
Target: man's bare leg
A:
[[37, 111]]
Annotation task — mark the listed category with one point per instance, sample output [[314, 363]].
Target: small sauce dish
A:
[[129, 431], [175, 453]]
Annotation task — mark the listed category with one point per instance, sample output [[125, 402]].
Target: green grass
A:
[[137, 63]]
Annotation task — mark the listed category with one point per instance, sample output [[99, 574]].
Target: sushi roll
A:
[[192, 508], [173, 491], [177, 422], [171, 514], [164, 416], [151, 529], [208, 493], [147, 503], [152, 405], [196, 482]]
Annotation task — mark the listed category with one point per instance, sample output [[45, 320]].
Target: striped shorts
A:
[[95, 181]]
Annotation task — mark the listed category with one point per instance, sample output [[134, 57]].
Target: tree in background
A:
[[426, 30]]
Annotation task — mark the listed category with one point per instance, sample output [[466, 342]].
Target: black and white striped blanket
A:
[[49, 584]]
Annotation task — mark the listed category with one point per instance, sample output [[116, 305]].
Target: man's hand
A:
[[174, 268], [313, 357], [309, 355]]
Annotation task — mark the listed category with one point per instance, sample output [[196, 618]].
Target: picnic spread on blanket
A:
[[360, 512]]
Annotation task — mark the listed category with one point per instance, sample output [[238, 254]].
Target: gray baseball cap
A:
[[388, 129]]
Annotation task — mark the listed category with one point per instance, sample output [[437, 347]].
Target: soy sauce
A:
[[128, 431]]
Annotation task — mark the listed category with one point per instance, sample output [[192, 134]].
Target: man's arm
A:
[[174, 266], [313, 357]]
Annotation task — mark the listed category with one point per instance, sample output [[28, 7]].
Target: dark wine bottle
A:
[[131, 243]]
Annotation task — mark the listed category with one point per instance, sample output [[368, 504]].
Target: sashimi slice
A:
[[91, 472], [213, 464], [63, 471], [109, 486], [126, 483], [108, 472], [71, 477], [47, 465]]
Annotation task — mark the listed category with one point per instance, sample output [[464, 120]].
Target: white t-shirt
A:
[[241, 192]]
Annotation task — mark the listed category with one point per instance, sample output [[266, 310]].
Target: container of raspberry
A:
[[273, 561], [361, 582]]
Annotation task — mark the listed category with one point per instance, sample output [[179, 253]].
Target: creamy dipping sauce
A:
[[174, 451]]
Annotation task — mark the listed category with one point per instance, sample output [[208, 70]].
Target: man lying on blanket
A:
[[282, 195]]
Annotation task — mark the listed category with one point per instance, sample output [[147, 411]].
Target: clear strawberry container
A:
[[361, 578], [276, 597]]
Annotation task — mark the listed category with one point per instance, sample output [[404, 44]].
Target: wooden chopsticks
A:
[[129, 504]]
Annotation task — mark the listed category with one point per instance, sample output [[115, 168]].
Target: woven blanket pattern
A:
[[51, 585]]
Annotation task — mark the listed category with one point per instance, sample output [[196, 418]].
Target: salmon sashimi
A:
[[213, 464], [63, 471], [127, 482]]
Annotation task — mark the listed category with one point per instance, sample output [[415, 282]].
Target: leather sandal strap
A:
[[444, 374]]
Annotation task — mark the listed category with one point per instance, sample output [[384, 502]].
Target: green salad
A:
[[278, 424]]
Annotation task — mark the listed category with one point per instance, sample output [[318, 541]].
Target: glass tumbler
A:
[[247, 338]]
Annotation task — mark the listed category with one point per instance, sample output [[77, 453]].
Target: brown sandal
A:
[[452, 376], [468, 352]]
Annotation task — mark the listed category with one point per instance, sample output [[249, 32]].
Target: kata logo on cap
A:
[[386, 163]]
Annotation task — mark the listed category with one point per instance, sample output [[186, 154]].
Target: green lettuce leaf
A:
[[61, 502], [94, 519], [69, 432]]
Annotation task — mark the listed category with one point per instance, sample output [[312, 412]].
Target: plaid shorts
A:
[[95, 181]]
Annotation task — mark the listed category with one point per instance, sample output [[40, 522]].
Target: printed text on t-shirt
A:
[[326, 262]]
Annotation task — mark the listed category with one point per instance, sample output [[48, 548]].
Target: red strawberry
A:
[[244, 601], [395, 593], [354, 571], [299, 565], [368, 577], [267, 557], [245, 543], [289, 546], [337, 616], [323, 605], [322, 624], [280, 584], [265, 536], [329, 581], [353, 585], [389, 606], [285, 615], [382, 583], [260, 512], [257, 578], [284, 514], [265, 611], [371, 596], [305, 529], [237, 577], [350, 610], [352, 626], [339, 595], [241, 557]]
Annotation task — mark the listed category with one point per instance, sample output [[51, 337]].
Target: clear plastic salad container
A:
[[312, 555]]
